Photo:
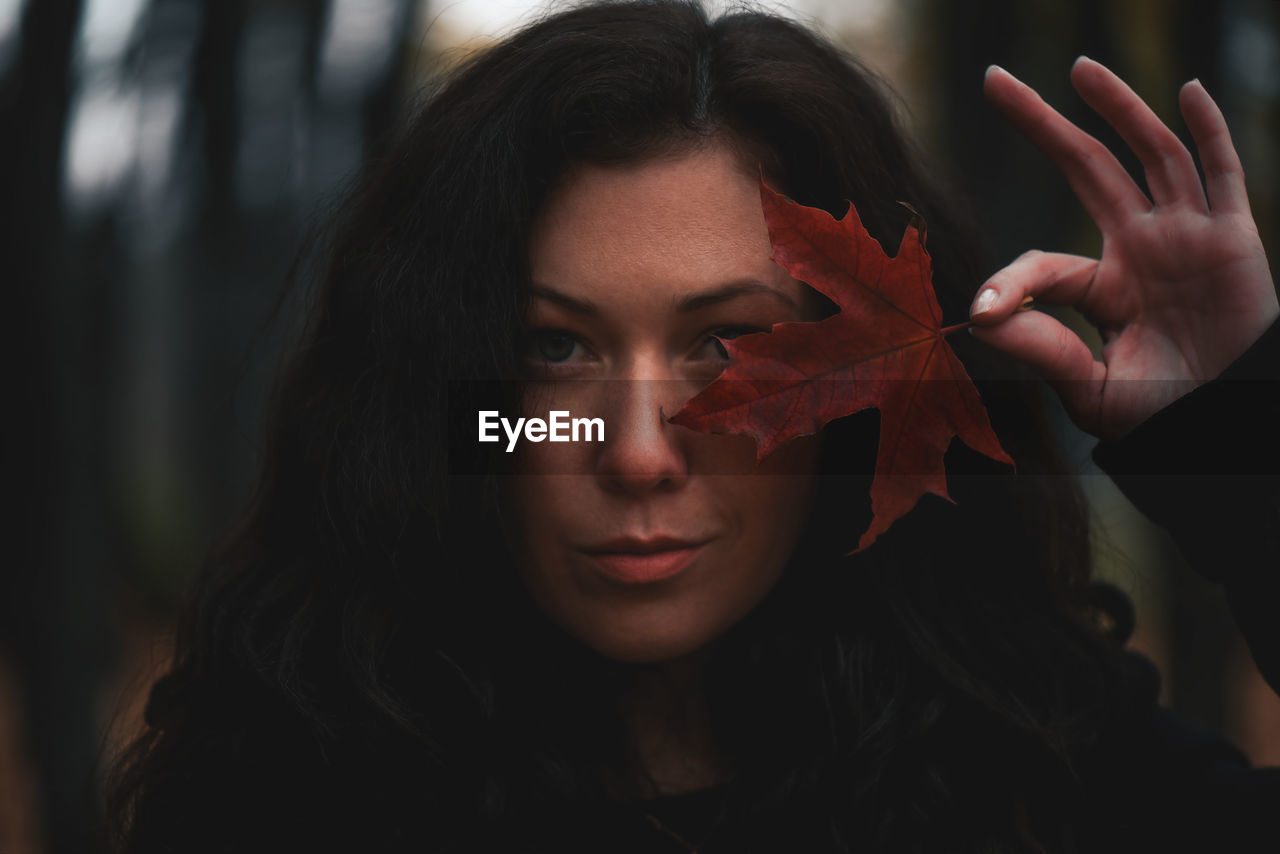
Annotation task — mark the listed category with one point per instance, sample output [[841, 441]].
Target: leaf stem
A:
[[1026, 305]]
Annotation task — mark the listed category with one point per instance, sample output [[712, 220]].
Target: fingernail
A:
[[984, 302], [991, 68]]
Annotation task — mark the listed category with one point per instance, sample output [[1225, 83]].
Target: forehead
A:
[[685, 221]]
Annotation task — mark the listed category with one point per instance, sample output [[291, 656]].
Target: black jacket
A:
[[1207, 469]]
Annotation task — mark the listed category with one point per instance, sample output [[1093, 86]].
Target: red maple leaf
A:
[[886, 349]]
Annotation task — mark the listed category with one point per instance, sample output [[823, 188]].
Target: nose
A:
[[642, 453]]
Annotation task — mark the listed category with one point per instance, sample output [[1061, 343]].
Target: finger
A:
[[1223, 174], [1052, 277], [1055, 353], [1171, 173], [1099, 181]]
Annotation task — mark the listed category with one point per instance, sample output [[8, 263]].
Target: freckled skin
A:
[[633, 242]]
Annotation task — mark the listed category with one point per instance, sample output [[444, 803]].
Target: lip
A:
[[643, 561]]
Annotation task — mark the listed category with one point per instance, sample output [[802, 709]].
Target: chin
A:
[[645, 644], [643, 650]]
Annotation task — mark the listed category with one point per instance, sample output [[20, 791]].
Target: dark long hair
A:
[[359, 666]]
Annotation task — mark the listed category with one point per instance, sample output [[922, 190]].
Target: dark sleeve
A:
[[1207, 469]]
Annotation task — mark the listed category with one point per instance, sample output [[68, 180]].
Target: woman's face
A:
[[653, 542]]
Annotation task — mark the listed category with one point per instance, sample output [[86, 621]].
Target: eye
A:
[[728, 333], [551, 345]]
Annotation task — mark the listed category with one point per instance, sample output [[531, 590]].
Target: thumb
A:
[[1052, 277], [1055, 353]]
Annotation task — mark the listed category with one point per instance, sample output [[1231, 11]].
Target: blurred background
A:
[[159, 160]]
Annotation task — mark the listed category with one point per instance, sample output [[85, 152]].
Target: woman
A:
[[652, 643]]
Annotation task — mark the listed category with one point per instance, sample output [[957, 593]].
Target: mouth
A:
[[644, 561]]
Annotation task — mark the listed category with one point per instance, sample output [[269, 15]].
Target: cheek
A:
[[584, 414], [782, 484], [773, 507], [548, 502], [543, 510], [776, 506], [540, 517], [770, 512]]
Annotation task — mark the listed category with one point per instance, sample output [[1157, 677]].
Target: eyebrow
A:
[[690, 303], [730, 291], [579, 306]]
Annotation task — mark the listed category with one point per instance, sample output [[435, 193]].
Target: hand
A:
[[1182, 288]]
